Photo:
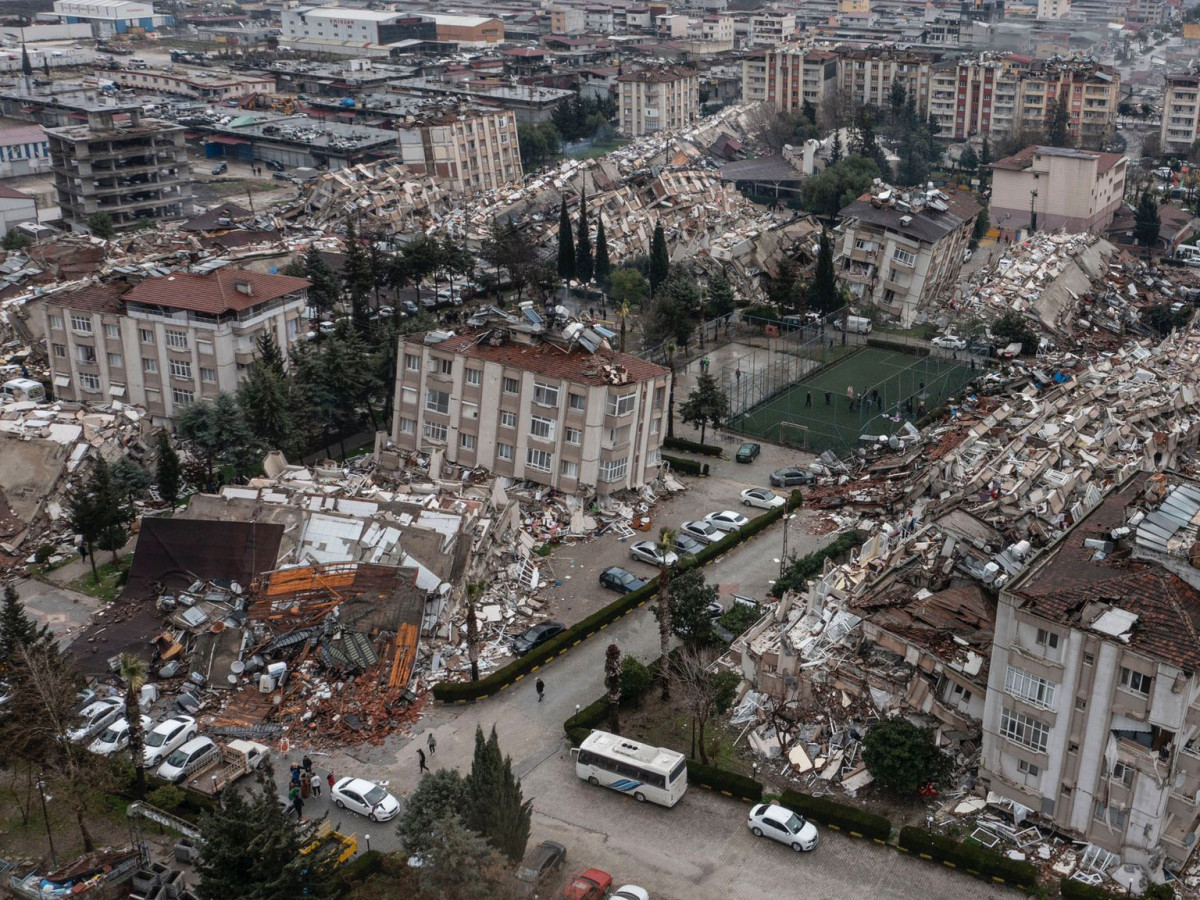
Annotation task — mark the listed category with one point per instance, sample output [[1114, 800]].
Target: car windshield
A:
[[376, 795], [111, 736], [794, 824], [156, 738], [177, 759]]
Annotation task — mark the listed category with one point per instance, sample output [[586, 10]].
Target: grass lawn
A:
[[594, 150], [239, 187], [109, 584], [663, 725]]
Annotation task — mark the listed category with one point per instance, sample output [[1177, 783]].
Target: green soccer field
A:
[[818, 411]]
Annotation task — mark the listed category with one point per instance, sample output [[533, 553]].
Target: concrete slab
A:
[[28, 472], [66, 612]]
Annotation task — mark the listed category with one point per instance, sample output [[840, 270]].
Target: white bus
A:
[[651, 774]]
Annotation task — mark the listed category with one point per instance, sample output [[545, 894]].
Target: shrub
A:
[[726, 782], [43, 554], [898, 346], [795, 576], [636, 680], [1077, 890], [974, 858], [838, 815], [686, 446], [686, 466], [738, 618], [362, 867], [168, 797], [902, 756]]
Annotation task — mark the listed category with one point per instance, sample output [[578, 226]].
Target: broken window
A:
[[437, 401], [1024, 730], [1123, 773], [435, 431], [1047, 641], [1135, 681], [85, 354], [545, 395], [541, 428]]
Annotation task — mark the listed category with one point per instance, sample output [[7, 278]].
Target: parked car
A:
[[620, 580], [409, 308], [544, 858], [727, 520], [220, 169], [365, 798], [95, 717], [702, 531], [949, 342], [590, 885], [629, 892], [281, 176], [686, 545], [187, 758], [384, 312], [536, 636], [116, 736], [274, 166], [781, 824], [981, 348], [168, 735], [792, 476], [648, 552], [762, 498], [748, 452]]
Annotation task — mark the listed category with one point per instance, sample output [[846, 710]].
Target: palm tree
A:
[[623, 313], [474, 592], [133, 673], [666, 544], [671, 348]]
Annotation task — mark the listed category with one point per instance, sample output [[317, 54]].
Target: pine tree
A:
[[87, 512], [836, 152], [26, 65], [495, 806], [264, 397], [114, 507], [660, 259], [358, 278], [1147, 224], [985, 155], [583, 244], [1058, 128], [823, 294], [16, 628], [167, 471], [566, 246], [326, 288], [603, 265], [706, 405]]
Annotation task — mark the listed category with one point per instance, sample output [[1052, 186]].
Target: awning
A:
[[116, 390], [225, 139], [62, 380]]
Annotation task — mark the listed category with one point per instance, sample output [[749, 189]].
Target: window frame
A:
[[435, 407]]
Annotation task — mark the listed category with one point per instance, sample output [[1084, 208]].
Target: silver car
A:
[[648, 552], [702, 531]]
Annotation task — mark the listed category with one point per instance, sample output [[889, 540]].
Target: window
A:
[[408, 395], [466, 441], [1123, 773], [1072, 747], [1089, 659], [1047, 641], [208, 376], [573, 436], [112, 331], [508, 420], [435, 431], [1135, 681], [182, 397], [541, 428], [1115, 817], [474, 376], [412, 362], [1029, 687], [539, 459], [408, 426], [620, 405], [904, 257], [1020, 728], [1080, 704], [60, 351], [181, 369], [206, 347], [81, 323], [149, 365], [618, 436], [576, 401], [56, 321], [445, 366], [570, 469], [177, 340], [512, 386], [115, 361], [613, 469], [437, 401], [1028, 768], [89, 382], [146, 335], [545, 395], [504, 451]]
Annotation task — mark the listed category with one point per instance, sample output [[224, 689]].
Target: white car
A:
[[648, 552], [728, 520], [187, 759], [762, 498], [366, 798], [702, 531], [783, 825], [629, 892], [95, 717], [949, 342], [168, 735], [116, 736]]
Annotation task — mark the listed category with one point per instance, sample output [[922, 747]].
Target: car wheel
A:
[[756, 831], [796, 846], [745, 503], [593, 781], [639, 797], [339, 804]]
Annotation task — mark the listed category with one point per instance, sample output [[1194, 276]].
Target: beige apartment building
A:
[[866, 76], [786, 77], [1078, 190], [1181, 113], [473, 149], [899, 249], [771, 27], [166, 342], [524, 406], [659, 99], [566, 20], [1092, 716]]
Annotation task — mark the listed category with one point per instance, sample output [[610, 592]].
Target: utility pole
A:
[[783, 559], [1032, 212], [41, 786]]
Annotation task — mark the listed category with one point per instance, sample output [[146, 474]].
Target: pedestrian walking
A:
[[306, 764], [850, 395], [808, 398], [421, 758], [295, 776], [432, 744], [737, 373], [828, 398], [540, 686], [329, 780], [83, 552]]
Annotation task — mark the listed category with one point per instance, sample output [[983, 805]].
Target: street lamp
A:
[[783, 559], [41, 786], [368, 839]]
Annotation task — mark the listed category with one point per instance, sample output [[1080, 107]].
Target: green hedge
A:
[[806, 567], [686, 466], [1077, 890], [726, 782], [840, 816], [519, 668], [974, 858], [898, 346], [685, 446]]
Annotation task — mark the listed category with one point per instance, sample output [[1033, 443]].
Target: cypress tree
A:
[[603, 267], [495, 807], [26, 65], [824, 285], [583, 244], [168, 470], [16, 628], [660, 260], [566, 246]]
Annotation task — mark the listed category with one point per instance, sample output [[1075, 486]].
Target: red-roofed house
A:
[[528, 407], [1078, 190], [167, 342]]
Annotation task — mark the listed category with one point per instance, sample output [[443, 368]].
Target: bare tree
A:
[[612, 681], [474, 592], [666, 543], [133, 673], [701, 692]]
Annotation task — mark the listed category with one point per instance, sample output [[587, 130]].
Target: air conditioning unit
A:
[[906, 221]]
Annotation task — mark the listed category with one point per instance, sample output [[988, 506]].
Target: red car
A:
[[590, 885]]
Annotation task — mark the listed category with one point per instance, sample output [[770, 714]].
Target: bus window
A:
[[680, 769]]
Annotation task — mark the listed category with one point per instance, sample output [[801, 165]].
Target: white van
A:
[[23, 389], [1188, 254], [854, 325]]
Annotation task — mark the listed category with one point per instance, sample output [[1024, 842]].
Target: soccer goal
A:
[[793, 435]]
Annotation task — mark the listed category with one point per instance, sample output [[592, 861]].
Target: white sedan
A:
[[116, 737], [949, 342], [365, 798], [648, 552], [762, 498], [166, 736], [630, 892], [728, 520], [781, 824], [702, 531]]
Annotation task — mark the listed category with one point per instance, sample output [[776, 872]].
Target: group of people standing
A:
[[305, 784]]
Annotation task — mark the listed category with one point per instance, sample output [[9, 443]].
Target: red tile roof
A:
[[544, 358], [12, 193], [92, 298], [221, 291]]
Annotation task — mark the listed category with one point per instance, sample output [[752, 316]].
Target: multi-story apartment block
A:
[[567, 20], [866, 76], [1078, 190], [120, 164], [168, 341], [1181, 113], [899, 249], [1092, 716], [1052, 10], [788, 76], [770, 27], [598, 19], [651, 100], [1141, 14], [473, 149], [528, 407]]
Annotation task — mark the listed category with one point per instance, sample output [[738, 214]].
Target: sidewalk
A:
[[77, 568]]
